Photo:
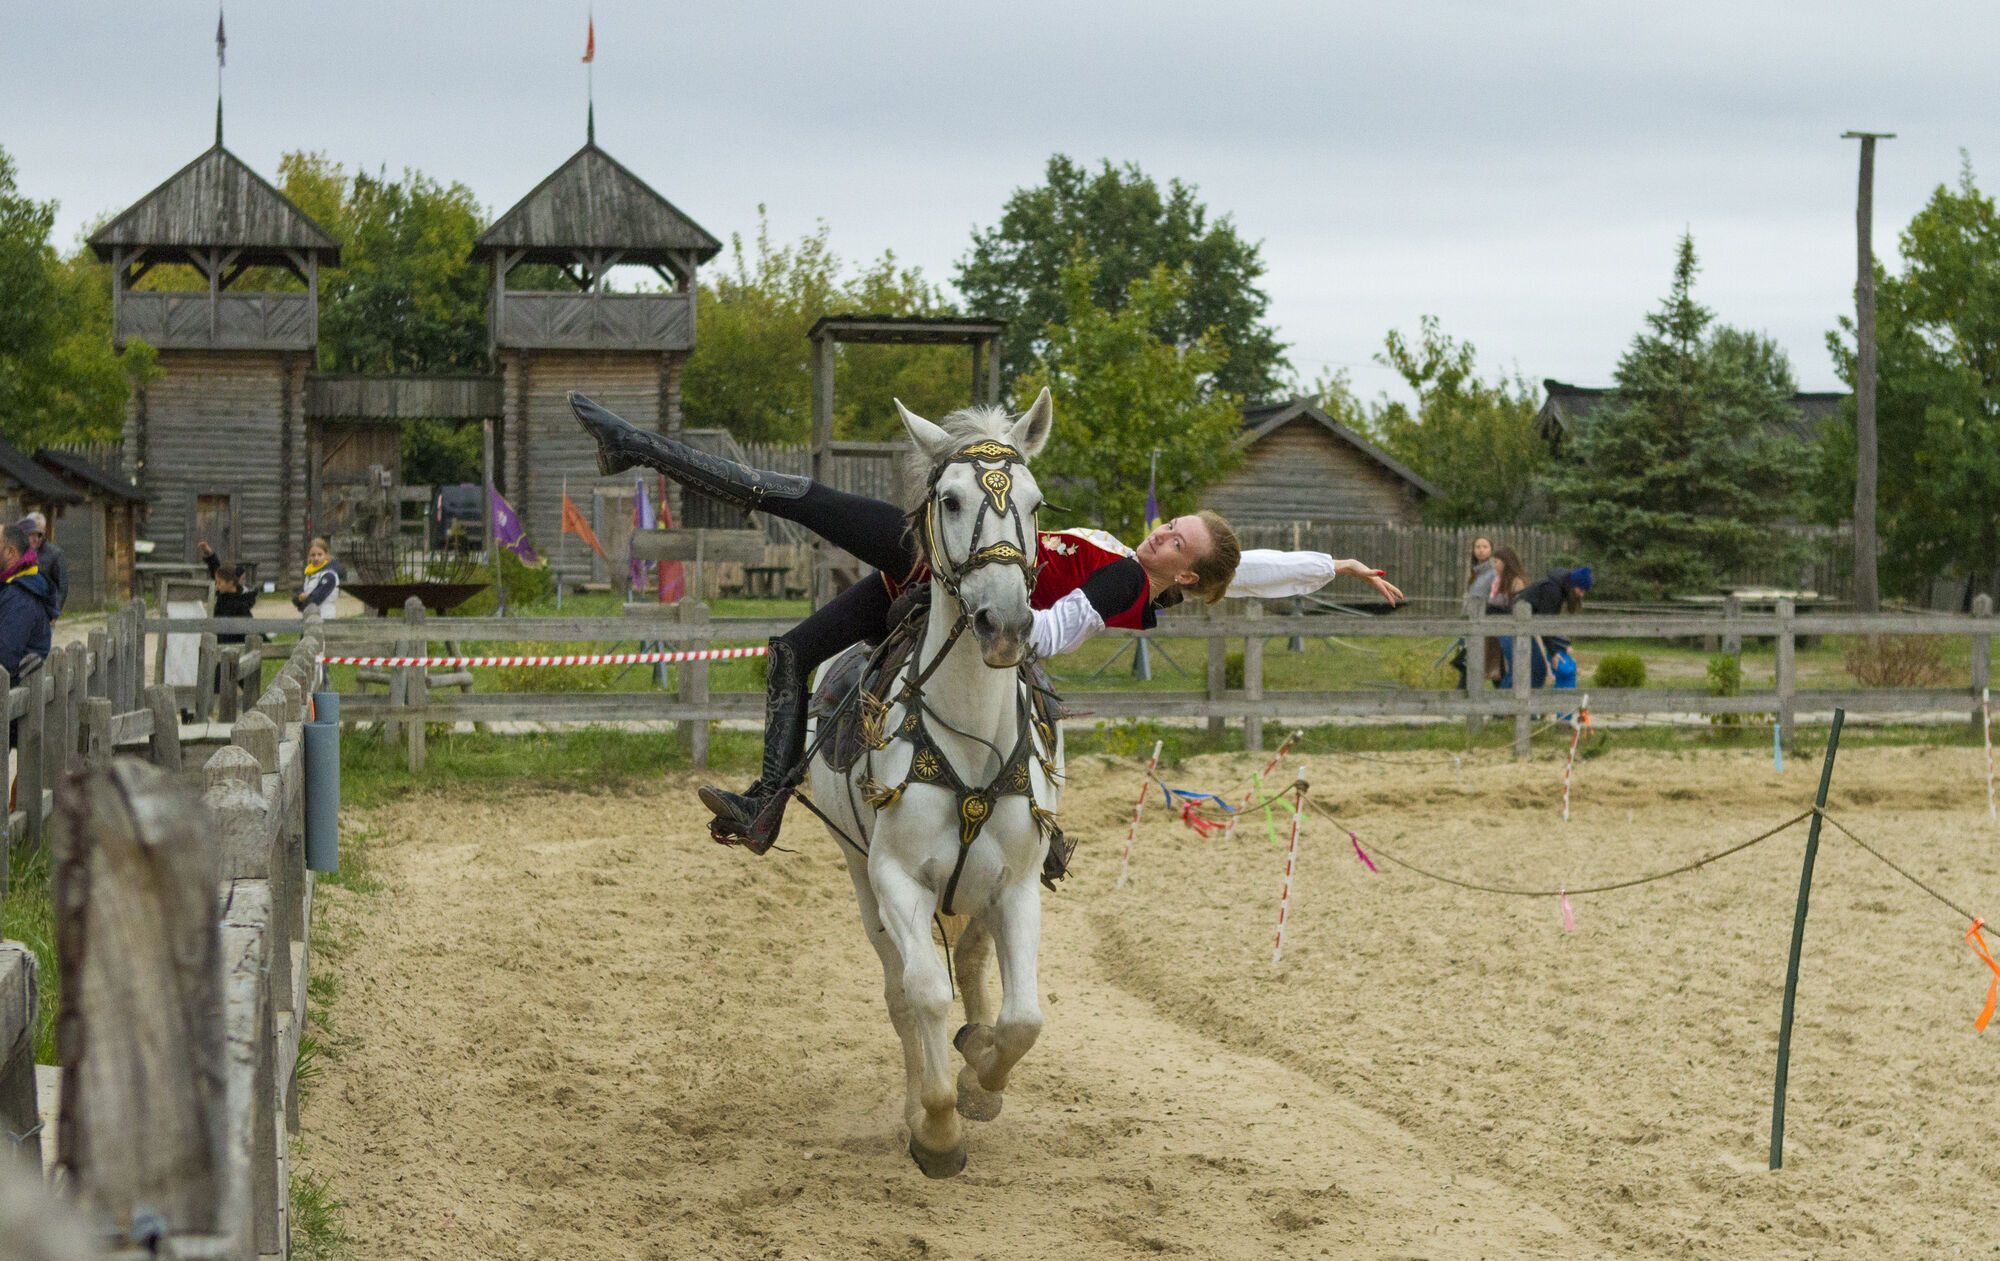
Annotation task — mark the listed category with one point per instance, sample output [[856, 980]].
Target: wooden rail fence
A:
[[694, 704], [182, 904]]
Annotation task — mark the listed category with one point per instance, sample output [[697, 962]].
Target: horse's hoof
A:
[[975, 1103], [958, 1039], [938, 1164]]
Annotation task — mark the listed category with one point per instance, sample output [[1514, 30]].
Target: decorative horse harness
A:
[[928, 763]]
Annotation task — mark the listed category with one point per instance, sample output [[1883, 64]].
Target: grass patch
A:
[[316, 1229], [28, 915]]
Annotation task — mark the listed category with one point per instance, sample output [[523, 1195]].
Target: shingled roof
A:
[[40, 484], [1566, 405], [591, 202], [216, 202], [1261, 419], [81, 471]]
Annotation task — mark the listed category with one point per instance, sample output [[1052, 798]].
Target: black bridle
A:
[[995, 461]]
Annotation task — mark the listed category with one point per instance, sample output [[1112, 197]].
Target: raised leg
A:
[[973, 959], [1016, 921], [937, 1139]]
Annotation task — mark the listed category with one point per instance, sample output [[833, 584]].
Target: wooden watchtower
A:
[[623, 349], [219, 436]]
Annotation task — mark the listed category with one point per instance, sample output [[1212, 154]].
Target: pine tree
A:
[[1679, 477]]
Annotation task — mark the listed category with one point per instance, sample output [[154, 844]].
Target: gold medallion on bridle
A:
[[925, 767], [998, 483]]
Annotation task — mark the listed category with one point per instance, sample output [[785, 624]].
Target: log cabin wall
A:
[[225, 423], [1303, 471], [541, 442]]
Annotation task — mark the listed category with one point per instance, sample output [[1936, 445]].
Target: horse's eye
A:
[[952, 503]]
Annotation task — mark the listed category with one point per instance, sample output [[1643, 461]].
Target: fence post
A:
[[253, 646], [56, 737], [1982, 661], [19, 997], [140, 1033], [1218, 677], [228, 695], [1522, 665], [257, 734], [100, 661], [1253, 679], [1788, 671], [31, 769], [165, 750], [204, 676], [416, 685], [1798, 944], [694, 683], [1732, 638], [97, 747], [1475, 663]]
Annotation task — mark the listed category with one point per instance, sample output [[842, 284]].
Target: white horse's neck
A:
[[965, 692]]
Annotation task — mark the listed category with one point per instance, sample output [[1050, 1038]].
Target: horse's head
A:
[[976, 523]]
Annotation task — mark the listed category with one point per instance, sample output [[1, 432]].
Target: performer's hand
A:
[[203, 547], [1388, 590]]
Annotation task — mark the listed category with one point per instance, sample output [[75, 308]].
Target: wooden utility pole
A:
[[1867, 590]]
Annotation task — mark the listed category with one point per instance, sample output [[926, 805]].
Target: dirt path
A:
[[577, 1030]]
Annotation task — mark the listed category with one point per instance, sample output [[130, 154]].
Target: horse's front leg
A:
[[937, 1140], [1016, 923]]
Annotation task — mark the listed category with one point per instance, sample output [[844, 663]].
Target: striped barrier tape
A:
[[587, 659]]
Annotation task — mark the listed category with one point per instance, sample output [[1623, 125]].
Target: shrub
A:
[[1896, 660], [1418, 665], [1620, 669], [1725, 678], [525, 585], [1232, 671]]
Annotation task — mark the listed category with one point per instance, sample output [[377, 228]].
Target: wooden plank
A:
[[739, 546], [1522, 669], [1253, 681], [20, 990], [141, 1038]]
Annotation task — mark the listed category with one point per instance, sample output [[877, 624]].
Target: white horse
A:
[[955, 840]]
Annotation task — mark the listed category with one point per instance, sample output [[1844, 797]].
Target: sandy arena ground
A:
[[577, 1030]]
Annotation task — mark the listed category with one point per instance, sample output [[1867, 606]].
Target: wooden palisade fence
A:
[[182, 904], [1249, 628]]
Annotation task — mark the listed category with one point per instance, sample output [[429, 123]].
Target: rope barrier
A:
[[1882, 858], [1512, 891], [583, 659]]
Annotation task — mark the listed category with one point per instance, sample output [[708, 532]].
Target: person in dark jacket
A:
[[48, 557], [26, 604], [231, 600], [1561, 592]]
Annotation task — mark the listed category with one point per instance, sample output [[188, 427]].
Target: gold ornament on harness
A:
[[998, 483], [874, 713], [988, 449], [972, 812], [880, 795], [997, 554], [925, 766]]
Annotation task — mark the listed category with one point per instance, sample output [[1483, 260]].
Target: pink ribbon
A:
[[1569, 916], [1361, 853]]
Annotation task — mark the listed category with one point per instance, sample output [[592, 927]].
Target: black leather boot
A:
[[620, 445], [751, 818]]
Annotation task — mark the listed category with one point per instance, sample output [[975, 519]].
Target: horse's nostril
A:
[[984, 622]]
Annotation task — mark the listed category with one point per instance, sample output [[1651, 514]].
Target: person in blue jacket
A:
[[1561, 592], [27, 604]]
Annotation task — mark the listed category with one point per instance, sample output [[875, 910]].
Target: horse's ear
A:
[[933, 442], [1031, 432]]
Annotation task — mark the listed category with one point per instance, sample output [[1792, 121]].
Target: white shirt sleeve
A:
[[1065, 624], [1268, 574]]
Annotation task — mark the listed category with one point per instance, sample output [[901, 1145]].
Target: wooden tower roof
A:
[[591, 202], [216, 202]]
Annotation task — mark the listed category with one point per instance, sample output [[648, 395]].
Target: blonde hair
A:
[[1214, 572], [319, 541]]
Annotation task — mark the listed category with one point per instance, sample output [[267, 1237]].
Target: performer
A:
[[1087, 581]]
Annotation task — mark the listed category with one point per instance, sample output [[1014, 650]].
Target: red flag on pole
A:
[[590, 41], [673, 574], [573, 523]]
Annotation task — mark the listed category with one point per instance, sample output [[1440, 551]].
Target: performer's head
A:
[[1195, 555]]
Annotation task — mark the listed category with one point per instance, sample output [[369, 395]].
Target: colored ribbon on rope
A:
[[1569, 916], [1576, 726], [1291, 863], [1361, 853], [583, 659], [1257, 787], [1132, 832], [1778, 746], [1977, 940]]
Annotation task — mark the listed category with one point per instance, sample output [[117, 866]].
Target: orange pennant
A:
[[573, 523], [1977, 941]]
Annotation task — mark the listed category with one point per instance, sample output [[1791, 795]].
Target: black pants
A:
[[871, 530]]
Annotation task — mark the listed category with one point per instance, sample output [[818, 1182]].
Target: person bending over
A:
[[1086, 581]]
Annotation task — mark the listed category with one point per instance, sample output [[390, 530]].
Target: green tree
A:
[[1123, 393], [751, 372], [1937, 332], [1474, 440], [59, 378], [1122, 219], [1678, 478]]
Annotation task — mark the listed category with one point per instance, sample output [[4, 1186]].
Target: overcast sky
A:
[[1519, 170]]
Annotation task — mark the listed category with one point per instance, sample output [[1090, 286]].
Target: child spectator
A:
[[322, 584], [231, 600]]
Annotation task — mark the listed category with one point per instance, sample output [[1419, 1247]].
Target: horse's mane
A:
[[967, 424]]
